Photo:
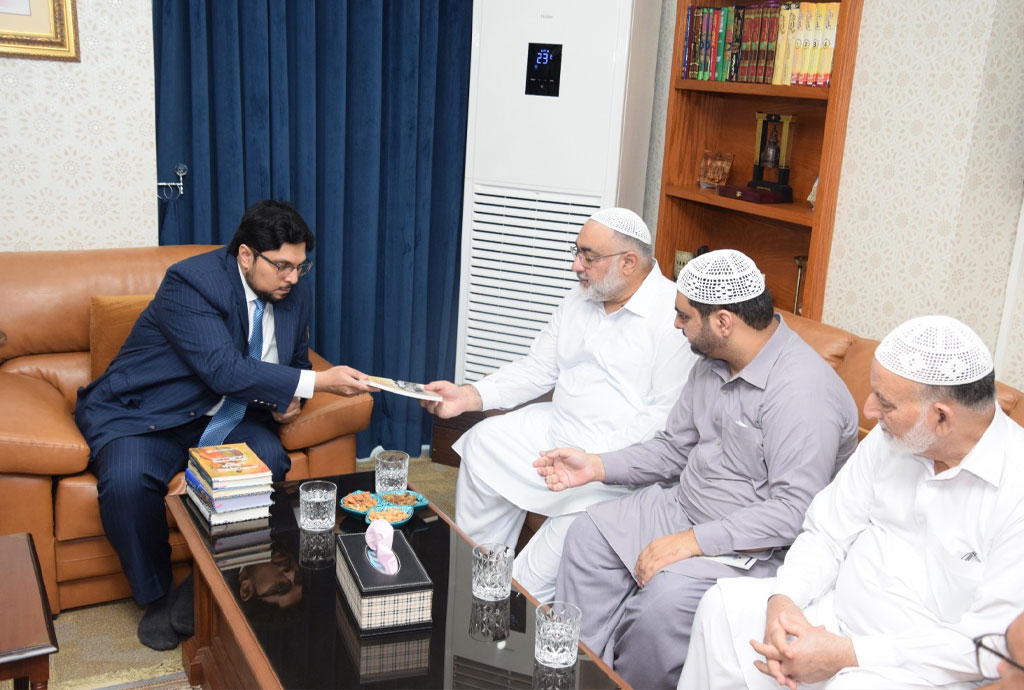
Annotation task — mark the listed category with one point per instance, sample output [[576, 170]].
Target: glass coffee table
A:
[[269, 612]]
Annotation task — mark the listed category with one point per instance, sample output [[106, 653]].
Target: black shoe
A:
[[155, 627], [182, 608]]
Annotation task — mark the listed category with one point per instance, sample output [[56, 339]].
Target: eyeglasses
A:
[[284, 270], [989, 650], [588, 260]]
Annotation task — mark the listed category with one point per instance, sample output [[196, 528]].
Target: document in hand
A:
[[413, 390]]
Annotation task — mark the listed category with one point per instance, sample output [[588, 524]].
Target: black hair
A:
[[975, 395], [266, 225], [756, 312]]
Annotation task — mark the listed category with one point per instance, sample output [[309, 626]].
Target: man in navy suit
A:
[[195, 371]]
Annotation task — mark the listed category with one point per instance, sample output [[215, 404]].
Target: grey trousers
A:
[[642, 633]]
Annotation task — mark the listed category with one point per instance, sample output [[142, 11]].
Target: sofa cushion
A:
[[37, 432], [65, 371], [110, 321]]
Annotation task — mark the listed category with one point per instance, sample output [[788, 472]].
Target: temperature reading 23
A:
[[543, 69]]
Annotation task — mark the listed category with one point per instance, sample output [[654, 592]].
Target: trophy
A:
[[771, 152]]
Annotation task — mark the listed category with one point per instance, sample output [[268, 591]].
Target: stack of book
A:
[[789, 43], [228, 483], [235, 544]]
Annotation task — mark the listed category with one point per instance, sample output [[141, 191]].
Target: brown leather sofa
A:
[[848, 354], [54, 338]]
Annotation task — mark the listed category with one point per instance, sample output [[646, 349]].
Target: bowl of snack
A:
[[358, 502], [404, 498], [396, 515]]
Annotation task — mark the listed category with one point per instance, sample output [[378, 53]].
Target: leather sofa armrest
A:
[[326, 416], [37, 431]]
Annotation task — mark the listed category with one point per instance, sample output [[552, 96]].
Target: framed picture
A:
[[39, 29]]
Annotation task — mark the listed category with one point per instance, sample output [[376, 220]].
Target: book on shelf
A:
[[769, 36], [215, 518], [230, 464], [823, 75], [771, 42]]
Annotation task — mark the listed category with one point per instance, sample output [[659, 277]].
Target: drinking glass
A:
[[489, 620], [316, 505], [391, 471], [492, 571], [558, 634], [316, 549]]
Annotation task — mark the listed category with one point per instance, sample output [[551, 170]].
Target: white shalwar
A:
[[909, 564], [615, 378]]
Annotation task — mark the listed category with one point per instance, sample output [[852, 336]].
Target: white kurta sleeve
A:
[[528, 377]]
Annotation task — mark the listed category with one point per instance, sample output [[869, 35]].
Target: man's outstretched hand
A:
[[343, 380], [456, 399], [564, 468]]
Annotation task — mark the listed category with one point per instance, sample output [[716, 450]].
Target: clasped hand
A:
[[796, 651]]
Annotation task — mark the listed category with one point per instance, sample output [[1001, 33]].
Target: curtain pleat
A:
[[355, 112]]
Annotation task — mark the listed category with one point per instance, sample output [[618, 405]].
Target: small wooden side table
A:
[[26, 637]]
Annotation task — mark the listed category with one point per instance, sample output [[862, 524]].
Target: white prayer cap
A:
[[625, 221], [724, 276], [935, 350]]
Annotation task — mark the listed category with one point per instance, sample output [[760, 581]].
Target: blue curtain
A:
[[356, 113]]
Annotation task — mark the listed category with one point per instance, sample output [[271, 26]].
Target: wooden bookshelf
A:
[[720, 116]]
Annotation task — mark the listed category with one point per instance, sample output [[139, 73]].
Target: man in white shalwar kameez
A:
[[913, 550], [616, 365]]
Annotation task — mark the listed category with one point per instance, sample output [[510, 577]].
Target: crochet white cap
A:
[[625, 221], [935, 350], [724, 276]]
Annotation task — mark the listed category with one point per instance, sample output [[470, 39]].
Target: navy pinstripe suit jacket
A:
[[188, 348]]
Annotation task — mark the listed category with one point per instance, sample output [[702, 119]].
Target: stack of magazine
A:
[[228, 483]]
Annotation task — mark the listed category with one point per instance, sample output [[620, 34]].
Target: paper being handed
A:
[[413, 390]]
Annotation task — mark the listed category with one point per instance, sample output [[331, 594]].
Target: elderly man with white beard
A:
[[616, 365], [913, 550]]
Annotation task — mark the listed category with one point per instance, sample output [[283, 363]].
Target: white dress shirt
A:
[[917, 563]]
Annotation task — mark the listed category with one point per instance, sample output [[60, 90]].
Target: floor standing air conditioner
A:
[[560, 103]]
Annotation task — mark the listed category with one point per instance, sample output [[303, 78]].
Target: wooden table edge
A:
[[530, 598], [249, 645]]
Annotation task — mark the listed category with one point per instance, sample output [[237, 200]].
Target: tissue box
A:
[[383, 603], [383, 657]]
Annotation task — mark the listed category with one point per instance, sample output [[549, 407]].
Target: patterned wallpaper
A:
[[77, 142], [931, 188]]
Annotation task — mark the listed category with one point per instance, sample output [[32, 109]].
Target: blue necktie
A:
[[232, 411]]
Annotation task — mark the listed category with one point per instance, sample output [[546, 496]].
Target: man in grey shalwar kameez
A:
[[761, 426]]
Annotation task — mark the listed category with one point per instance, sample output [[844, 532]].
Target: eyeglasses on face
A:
[[284, 270], [989, 650], [586, 259]]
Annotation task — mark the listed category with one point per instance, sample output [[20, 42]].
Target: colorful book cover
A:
[[823, 77], [812, 47], [694, 66], [721, 19], [810, 74], [805, 29], [223, 505], [716, 20], [223, 518], [781, 41], [738, 24], [228, 463], [751, 27], [728, 14], [705, 44], [256, 486], [769, 38], [792, 22], [685, 73]]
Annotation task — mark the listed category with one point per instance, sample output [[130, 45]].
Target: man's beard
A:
[[603, 289], [705, 342], [917, 439], [268, 297]]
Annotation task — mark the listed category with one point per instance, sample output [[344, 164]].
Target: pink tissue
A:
[[379, 536]]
